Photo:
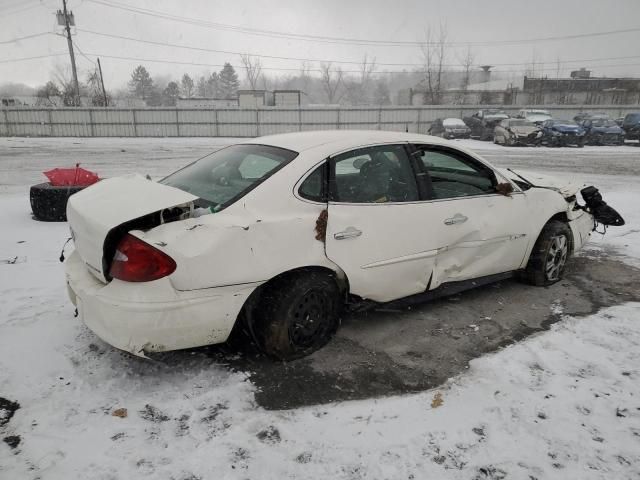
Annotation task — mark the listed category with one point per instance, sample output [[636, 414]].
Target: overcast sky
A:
[[474, 21]]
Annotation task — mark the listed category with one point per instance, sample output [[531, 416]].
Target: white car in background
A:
[[279, 232]]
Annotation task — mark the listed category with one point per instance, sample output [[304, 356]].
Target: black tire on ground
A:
[[49, 203], [297, 315], [549, 255]]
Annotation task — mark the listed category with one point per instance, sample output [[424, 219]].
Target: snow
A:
[[560, 404]]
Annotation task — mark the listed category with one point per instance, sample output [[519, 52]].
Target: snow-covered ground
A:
[[561, 404]]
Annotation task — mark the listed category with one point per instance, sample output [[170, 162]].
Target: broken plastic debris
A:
[[437, 400]]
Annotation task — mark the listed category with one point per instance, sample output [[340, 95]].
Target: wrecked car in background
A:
[[602, 131], [631, 126], [449, 128], [562, 133], [483, 122], [276, 235], [517, 131]]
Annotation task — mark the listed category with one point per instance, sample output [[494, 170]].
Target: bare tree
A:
[[359, 89], [253, 69], [434, 50], [467, 62], [331, 79]]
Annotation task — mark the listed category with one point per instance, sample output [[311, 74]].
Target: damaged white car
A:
[[279, 233]]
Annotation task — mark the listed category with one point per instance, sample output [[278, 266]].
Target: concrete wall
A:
[[248, 122]]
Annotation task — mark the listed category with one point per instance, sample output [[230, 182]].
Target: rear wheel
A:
[[297, 315], [549, 255]]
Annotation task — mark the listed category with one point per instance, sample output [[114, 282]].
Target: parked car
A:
[[602, 131], [631, 126], [562, 133], [535, 116], [483, 122], [276, 235], [449, 128], [517, 131]]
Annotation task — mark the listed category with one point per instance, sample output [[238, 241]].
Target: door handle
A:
[[349, 232], [457, 218]]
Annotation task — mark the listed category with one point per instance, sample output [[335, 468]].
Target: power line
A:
[[342, 40], [276, 57], [240, 67], [32, 58], [35, 35], [20, 10]]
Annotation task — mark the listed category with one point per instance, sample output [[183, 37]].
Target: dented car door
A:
[[378, 229], [479, 230]]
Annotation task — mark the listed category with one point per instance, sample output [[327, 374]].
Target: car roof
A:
[[339, 140]]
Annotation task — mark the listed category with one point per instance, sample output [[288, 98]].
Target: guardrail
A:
[[243, 122]]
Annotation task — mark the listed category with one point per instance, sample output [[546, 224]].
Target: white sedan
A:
[[278, 233]]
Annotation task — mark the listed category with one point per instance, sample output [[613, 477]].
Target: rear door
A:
[[479, 231], [378, 229]]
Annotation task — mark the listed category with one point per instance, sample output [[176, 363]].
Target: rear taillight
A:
[[137, 261]]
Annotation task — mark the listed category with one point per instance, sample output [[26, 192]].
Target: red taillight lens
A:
[[137, 261]]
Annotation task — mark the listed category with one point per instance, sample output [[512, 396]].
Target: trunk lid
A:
[[97, 210]]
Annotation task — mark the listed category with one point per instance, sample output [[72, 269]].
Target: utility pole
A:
[[104, 92], [65, 19]]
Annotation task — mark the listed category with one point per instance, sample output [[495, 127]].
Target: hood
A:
[[566, 188], [96, 211], [495, 118], [525, 129]]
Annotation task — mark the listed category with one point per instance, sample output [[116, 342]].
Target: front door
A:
[[480, 232]]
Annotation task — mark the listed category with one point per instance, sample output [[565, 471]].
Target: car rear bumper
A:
[[153, 316]]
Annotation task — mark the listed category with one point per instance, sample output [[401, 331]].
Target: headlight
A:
[[539, 135]]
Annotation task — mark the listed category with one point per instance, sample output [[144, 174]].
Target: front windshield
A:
[[226, 175]]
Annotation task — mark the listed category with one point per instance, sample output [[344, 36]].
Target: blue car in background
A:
[[602, 131], [562, 133]]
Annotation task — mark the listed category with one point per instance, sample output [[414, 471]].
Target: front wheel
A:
[[549, 255], [297, 315]]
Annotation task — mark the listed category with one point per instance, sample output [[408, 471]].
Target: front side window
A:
[[455, 175], [228, 174], [378, 174]]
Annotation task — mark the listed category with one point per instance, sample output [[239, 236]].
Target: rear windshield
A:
[[223, 177], [632, 117]]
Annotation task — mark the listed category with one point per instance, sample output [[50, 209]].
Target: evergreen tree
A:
[[201, 87], [229, 82], [170, 94], [213, 85], [187, 86], [141, 83]]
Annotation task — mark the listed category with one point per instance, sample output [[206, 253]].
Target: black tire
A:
[[549, 255], [310, 297], [49, 203]]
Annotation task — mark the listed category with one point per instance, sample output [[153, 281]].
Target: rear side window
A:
[[378, 174]]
